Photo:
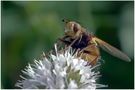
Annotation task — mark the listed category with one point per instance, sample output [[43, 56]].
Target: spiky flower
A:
[[60, 71]]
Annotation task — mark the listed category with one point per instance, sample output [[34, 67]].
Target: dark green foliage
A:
[[28, 28]]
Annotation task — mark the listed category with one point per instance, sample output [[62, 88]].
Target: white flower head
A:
[[61, 71]]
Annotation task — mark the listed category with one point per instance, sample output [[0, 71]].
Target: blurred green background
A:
[[28, 28]]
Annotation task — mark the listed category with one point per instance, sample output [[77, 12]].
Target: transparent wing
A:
[[112, 50]]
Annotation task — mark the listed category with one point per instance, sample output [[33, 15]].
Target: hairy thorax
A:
[[80, 43]]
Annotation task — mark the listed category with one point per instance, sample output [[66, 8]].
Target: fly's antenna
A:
[[65, 20]]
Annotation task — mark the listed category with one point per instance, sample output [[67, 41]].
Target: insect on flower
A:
[[79, 39]]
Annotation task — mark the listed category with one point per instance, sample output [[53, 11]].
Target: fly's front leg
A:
[[68, 42]]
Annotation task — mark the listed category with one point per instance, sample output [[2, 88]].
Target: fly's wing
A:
[[112, 50]]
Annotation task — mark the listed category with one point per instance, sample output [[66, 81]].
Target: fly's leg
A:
[[68, 42]]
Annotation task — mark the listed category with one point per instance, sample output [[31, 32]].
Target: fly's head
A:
[[72, 29]]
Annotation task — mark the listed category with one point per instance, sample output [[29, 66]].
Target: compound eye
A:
[[75, 28]]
